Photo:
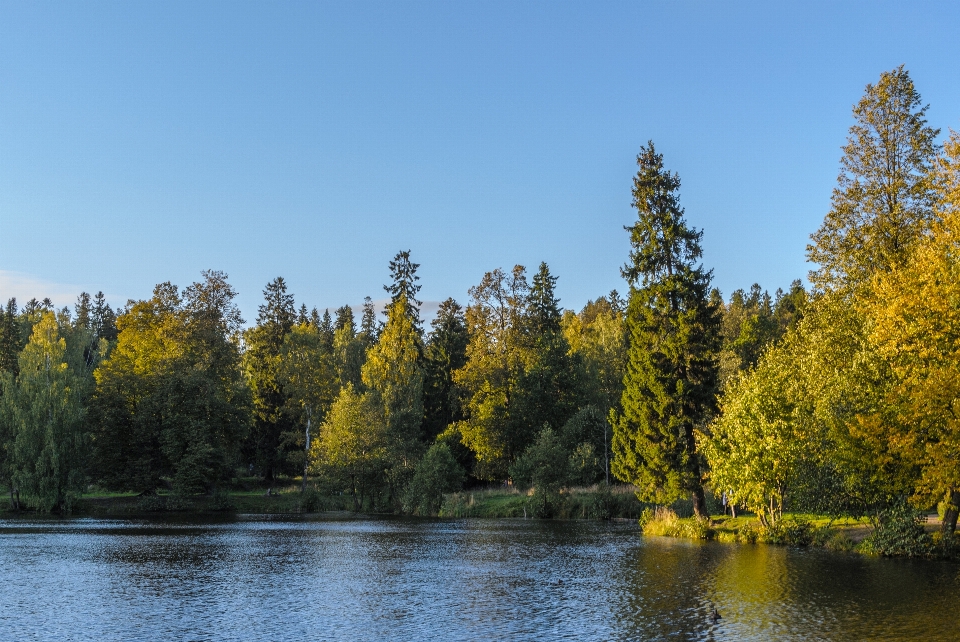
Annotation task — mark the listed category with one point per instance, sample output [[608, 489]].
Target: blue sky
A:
[[144, 142]]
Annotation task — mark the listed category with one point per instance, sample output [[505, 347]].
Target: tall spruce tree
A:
[[10, 343], [548, 388], [672, 374], [264, 344], [446, 352], [403, 283]]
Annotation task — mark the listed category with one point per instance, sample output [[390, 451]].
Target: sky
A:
[[143, 142]]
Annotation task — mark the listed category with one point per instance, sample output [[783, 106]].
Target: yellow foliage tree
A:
[[916, 327]]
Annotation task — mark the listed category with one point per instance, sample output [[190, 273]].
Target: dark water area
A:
[[401, 579]]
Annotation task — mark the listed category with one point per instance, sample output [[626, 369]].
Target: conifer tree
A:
[[369, 327], [671, 382], [264, 342], [446, 352], [403, 282], [10, 344]]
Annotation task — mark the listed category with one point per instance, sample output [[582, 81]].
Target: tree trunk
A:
[[700, 504], [949, 523]]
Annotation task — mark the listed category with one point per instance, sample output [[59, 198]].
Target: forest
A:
[[839, 398]]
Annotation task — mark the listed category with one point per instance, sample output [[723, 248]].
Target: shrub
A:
[[310, 501], [436, 473], [660, 521], [899, 533]]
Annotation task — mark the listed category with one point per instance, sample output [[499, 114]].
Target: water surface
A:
[[402, 579]]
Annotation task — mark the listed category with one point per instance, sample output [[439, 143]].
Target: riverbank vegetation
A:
[[839, 400]]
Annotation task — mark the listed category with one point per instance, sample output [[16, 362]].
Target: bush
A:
[[659, 521], [789, 532], [436, 473], [310, 501], [544, 465], [899, 533]]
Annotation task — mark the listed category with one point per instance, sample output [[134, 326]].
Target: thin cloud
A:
[[26, 286]]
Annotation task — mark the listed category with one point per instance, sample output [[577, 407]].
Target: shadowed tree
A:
[[672, 373]]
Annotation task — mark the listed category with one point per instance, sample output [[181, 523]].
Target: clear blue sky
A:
[[142, 142]]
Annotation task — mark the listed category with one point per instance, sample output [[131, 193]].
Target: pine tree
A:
[[264, 342], [369, 327], [104, 319], [543, 307], [548, 387], [10, 344], [403, 277], [671, 382], [345, 319], [446, 352], [393, 376]]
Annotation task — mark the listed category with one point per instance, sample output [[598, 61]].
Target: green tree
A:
[[495, 359], [352, 444], [308, 375], [261, 360], [548, 386], [598, 336], [436, 473], [403, 283], [884, 197], [393, 377], [171, 400], [446, 352], [748, 327], [672, 377], [10, 343], [44, 406]]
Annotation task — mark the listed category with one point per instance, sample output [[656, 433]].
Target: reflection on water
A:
[[375, 579]]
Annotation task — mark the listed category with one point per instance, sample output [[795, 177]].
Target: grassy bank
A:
[[904, 535], [594, 502], [247, 496]]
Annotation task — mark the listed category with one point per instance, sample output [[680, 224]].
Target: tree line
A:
[[839, 399]]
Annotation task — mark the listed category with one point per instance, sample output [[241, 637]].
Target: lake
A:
[[347, 578]]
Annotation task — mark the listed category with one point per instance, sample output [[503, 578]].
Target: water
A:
[[396, 579]]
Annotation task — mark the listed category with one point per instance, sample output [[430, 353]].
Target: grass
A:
[[795, 529], [593, 502]]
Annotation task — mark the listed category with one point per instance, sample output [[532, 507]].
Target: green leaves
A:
[[672, 376], [884, 197]]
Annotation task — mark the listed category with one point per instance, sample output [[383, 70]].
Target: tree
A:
[[495, 353], [403, 283], [264, 341], [171, 400], [598, 336], [748, 327], [369, 328], [916, 328], [45, 409], [104, 319], [884, 197], [393, 377], [307, 374], [10, 344], [765, 439], [672, 376], [345, 319], [436, 473], [446, 352], [548, 389], [352, 443]]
